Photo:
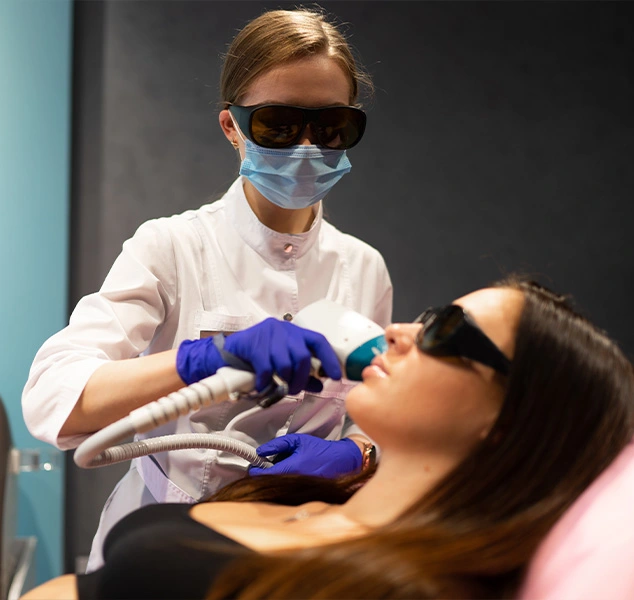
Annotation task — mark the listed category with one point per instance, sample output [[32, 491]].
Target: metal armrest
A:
[[24, 570]]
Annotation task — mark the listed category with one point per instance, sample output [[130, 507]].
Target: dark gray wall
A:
[[500, 138]]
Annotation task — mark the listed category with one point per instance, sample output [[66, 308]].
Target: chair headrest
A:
[[588, 554]]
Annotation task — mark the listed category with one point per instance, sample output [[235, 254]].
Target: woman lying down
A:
[[493, 414]]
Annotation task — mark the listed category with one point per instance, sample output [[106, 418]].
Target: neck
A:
[[400, 481], [282, 220]]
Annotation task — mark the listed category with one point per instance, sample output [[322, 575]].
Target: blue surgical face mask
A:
[[295, 177]]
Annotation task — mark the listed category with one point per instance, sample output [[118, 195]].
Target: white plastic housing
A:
[[354, 338]]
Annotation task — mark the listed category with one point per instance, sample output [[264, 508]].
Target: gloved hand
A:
[[271, 346], [310, 455]]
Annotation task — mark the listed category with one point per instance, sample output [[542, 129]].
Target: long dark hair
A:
[[567, 412]]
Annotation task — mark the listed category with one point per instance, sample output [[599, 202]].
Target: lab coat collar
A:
[[269, 244]]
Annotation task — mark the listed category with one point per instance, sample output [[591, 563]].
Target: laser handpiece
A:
[[354, 338]]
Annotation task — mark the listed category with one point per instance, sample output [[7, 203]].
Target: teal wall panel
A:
[[35, 100]]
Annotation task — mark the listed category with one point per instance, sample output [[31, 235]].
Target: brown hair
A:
[[282, 36], [568, 411]]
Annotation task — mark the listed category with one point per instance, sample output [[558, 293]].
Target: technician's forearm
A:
[[118, 387]]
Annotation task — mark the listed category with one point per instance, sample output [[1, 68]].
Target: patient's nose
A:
[[401, 336]]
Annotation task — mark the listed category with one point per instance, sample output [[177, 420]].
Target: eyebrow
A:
[[298, 104]]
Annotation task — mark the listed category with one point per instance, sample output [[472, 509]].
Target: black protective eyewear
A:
[[281, 125], [450, 331]]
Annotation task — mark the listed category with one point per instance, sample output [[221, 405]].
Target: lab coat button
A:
[[288, 248], [287, 317]]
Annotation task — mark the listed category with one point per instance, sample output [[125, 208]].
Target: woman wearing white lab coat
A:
[[219, 269]]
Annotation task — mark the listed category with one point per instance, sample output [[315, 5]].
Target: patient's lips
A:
[[376, 369]]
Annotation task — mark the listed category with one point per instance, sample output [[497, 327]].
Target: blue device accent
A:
[[363, 355]]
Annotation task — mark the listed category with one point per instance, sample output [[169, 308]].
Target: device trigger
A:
[[273, 393]]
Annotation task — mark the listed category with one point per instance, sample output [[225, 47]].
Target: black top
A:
[[159, 552]]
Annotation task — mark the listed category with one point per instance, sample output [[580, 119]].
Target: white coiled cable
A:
[[100, 449], [167, 443]]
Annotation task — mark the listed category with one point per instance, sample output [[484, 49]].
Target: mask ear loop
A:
[[234, 142]]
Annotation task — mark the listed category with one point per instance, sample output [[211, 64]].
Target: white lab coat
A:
[[215, 269]]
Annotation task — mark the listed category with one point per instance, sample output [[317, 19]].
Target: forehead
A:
[[497, 312], [312, 81]]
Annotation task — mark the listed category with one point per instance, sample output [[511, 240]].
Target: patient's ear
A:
[[492, 437], [488, 426]]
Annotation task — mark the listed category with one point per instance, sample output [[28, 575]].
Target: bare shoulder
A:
[[217, 514], [60, 588]]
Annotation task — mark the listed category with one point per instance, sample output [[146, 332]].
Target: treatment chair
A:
[[589, 554], [7, 503], [17, 555]]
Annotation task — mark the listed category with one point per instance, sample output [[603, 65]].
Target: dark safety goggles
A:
[[281, 125], [450, 331]]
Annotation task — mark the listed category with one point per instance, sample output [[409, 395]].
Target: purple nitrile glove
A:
[[310, 455], [280, 347], [197, 359], [271, 346]]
